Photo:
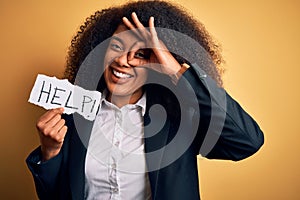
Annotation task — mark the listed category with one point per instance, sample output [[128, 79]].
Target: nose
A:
[[122, 60]]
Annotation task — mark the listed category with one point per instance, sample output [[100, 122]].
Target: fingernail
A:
[[133, 13]]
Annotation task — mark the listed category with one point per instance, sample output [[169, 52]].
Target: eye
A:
[[116, 47], [142, 53]]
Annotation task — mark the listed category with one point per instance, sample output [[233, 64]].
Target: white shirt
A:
[[115, 165]]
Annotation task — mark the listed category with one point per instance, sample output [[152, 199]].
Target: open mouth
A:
[[122, 75]]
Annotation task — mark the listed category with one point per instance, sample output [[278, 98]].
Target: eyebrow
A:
[[117, 38], [121, 41], [133, 45]]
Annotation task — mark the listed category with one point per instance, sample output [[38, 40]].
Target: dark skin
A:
[[52, 131], [51, 126], [205, 52]]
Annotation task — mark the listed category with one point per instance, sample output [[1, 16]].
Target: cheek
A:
[[109, 57], [143, 75], [107, 60], [105, 73]]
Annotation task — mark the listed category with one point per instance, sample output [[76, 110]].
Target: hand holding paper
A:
[[52, 131], [50, 92]]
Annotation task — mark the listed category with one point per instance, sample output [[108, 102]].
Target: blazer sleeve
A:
[[48, 175], [226, 130], [45, 174]]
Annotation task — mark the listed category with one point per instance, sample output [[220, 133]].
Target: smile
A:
[[121, 74]]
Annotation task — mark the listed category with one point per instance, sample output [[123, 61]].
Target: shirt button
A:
[[115, 190], [118, 115], [113, 166], [117, 143]]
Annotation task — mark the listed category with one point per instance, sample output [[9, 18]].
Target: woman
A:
[[162, 104]]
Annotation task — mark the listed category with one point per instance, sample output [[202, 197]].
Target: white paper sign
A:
[[50, 92]]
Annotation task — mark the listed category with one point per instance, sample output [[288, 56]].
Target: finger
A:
[[59, 125], [51, 129], [49, 119], [132, 28], [139, 63], [152, 28], [140, 26], [62, 133], [153, 33], [136, 46], [128, 23], [50, 113], [157, 43], [136, 21], [59, 132], [53, 121]]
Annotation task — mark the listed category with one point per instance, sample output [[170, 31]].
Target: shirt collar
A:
[[140, 103]]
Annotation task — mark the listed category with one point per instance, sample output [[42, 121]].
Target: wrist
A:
[[175, 77], [47, 153]]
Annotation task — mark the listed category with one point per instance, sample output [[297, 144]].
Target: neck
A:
[[121, 101]]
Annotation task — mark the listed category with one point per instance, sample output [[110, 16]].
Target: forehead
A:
[[126, 35]]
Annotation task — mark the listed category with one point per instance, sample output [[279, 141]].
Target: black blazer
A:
[[199, 117]]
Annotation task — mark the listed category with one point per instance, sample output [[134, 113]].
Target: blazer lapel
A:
[[156, 129], [78, 148]]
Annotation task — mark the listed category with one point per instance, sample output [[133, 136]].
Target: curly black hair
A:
[[102, 24]]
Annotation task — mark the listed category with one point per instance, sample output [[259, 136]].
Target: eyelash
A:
[[143, 54], [116, 47], [139, 54]]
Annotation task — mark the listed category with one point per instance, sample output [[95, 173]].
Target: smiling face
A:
[[123, 77]]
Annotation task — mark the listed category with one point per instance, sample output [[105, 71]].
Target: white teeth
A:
[[120, 74]]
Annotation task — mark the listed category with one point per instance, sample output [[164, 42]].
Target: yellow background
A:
[[260, 42]]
